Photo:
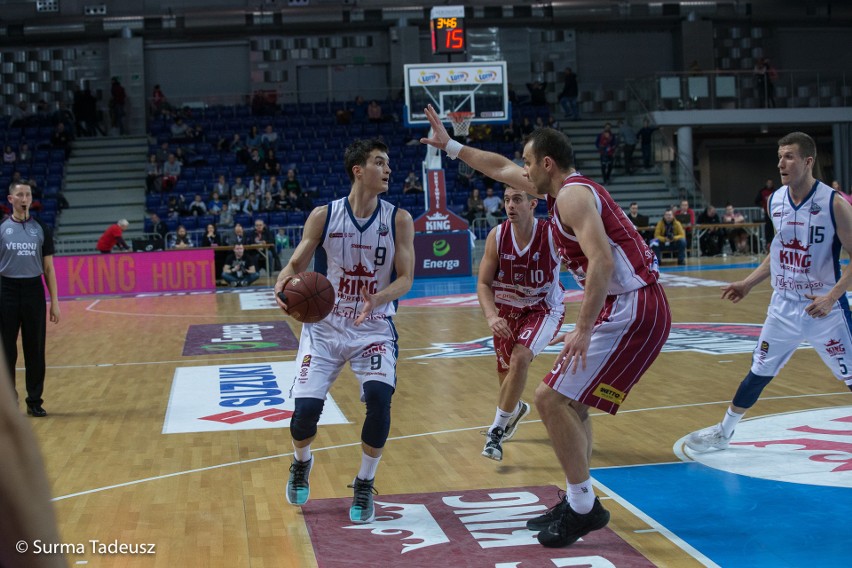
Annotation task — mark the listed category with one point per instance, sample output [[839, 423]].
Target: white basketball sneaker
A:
[[708, 438]]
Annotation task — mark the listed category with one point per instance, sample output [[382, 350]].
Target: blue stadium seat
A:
[[189, 221]]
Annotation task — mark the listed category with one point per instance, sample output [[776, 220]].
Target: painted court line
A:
[[676, 540]]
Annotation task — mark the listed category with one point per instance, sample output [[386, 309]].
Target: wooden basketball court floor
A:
[[217, 498]]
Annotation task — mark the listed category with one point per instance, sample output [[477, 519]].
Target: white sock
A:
[[368, 467], [730, 421], [581, 496], [302, 454], [501, 419]]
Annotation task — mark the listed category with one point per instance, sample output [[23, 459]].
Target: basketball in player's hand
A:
[[309, 297]]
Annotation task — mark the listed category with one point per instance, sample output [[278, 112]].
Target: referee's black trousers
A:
[[22, 307]]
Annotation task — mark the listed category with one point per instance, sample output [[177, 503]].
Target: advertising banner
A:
[[130, 273], [443, 254]]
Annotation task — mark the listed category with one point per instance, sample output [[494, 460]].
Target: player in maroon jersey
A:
[[624, 317], [521, 297]]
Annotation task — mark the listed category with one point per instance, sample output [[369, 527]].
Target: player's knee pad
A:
[[750, 389], [377, 422], [303, 425]]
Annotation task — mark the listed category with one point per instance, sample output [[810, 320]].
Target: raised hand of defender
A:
[[438, 134]]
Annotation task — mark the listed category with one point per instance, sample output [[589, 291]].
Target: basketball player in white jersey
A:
[[365, 246], [623, 322], [521, 296], [811, 222]]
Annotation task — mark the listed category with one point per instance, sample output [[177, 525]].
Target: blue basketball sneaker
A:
[[298, 488], [363, 510]]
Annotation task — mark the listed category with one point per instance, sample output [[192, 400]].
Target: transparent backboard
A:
[[479, 88]]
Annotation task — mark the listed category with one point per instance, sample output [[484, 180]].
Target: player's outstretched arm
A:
[[493, 165], [301, 259], [736, 291], [487, 269]]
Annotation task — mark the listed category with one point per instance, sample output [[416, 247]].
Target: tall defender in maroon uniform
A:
[[521, 297], [624, 318]]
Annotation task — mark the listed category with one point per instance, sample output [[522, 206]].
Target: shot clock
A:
[[448, 31]]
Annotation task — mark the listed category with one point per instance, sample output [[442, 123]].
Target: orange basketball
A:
[[309, 297]]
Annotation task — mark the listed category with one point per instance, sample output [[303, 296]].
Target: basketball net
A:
[[461, 122]]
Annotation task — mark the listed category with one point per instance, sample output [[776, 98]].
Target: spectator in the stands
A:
[[669, 237], [239, 189], [215, 205], [271, 166], [268, 204], [238, 237], [606, 145], [163, 153], [493, 207], [263, 236], [174, 207], [687, 212], [159, 229], [257, 185], [359, 110], [374, 111], [526, 127], [569, 95], [61, 139], [211, 237], [291, 183], [251, 205], [255, 162], [9, 155], [273, 186], [25, 156], [281, 200], [640, 221], [197, 207], [226, 215], [269, 139], [118, 99], [712, 240], [181, 239], [738, 238], [538, 93], [222, 187], [628, 144], [475, 208], [412, 184], [304, 202], [158, 101], [253, 140], [182, 131], [153, 175], [171, 173]]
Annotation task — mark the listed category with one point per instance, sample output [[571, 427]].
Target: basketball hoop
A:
[[461, 122]]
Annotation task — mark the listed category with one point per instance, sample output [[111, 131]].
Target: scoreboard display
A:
[[448, 31]]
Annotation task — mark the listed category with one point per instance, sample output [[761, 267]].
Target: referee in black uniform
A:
[[26, 252]]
